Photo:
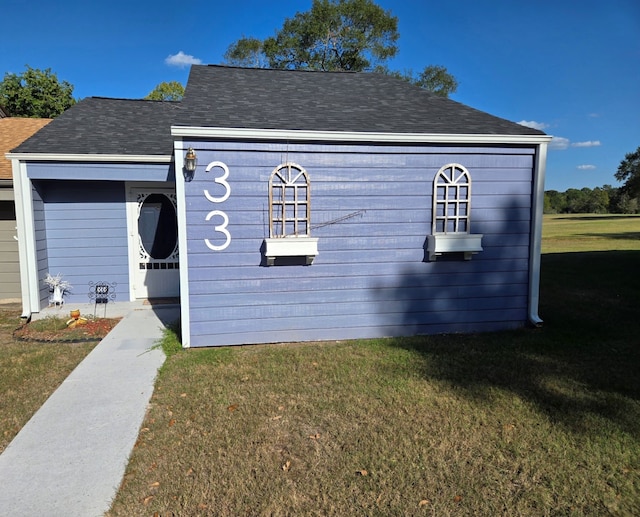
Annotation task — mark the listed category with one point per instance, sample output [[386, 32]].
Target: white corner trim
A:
[[185, 319], [347, 136], [26, 239], [49, 157], [535, 244]]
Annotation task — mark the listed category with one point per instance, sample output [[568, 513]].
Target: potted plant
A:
[[58, 287]]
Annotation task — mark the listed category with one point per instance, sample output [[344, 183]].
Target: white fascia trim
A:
[[45, 157], [535, 245], [346, 136], [185, 319]]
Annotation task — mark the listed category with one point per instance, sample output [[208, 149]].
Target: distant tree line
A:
[[600, 200]]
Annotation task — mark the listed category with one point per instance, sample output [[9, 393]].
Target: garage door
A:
[[9, 264]]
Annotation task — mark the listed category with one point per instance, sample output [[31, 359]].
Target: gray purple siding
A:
[[42, 256], [101, 171], [81, 222], [371, 211], [82, 234]]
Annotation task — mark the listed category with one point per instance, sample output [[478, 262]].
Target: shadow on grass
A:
[[583, 217], [580, 367], [617, 236]]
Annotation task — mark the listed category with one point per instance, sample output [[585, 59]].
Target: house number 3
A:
[[220, 228]]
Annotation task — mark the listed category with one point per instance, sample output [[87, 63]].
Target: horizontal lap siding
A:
[[9, 260], [85, 227], [371, 211], [100, 171], [42, 256]]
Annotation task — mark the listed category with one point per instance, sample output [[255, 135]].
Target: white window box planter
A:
[[290, 247], [467, 243]]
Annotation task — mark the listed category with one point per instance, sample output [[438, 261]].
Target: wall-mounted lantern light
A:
[[190, 160]]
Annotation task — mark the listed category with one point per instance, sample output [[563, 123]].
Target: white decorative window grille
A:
[[451, 221], [289, 202], [452, 200], [289, 217]]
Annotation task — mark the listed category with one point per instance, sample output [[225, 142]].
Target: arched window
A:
[[289, 201], [451, 200]]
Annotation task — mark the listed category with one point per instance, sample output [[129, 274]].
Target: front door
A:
[[154, 243]]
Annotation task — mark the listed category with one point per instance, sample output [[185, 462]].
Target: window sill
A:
[[466, 243], [290, 247]]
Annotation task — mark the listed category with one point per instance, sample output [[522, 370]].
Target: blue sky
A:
[[569, 67]]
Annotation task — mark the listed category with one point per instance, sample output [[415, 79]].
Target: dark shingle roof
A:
[[227, 97], [327, 101], [108, 126]]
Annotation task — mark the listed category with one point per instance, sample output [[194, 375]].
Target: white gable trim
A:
[[345, 136], [50, 157]]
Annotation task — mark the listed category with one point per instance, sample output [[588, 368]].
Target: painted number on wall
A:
[[220, 228]]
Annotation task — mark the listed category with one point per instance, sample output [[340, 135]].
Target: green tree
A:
[[336, 35], [597, 201], [629, 172], [576, 200], [349, 35], [554, 202], [548, 208], [167, 91], [246, 52], [434, 78], [35, 94]]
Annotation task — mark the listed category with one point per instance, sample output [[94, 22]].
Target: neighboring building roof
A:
[[14, 131], [254, 98], [98, 125]]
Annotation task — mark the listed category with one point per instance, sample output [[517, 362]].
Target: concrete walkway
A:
[[69, 459]]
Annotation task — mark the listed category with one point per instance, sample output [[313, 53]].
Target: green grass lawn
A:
[[533, 422], [30, 371], [590, 232]]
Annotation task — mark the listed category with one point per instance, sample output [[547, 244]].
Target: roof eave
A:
[[349, 136]]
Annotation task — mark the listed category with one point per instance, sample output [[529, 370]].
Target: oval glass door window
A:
[[158, 226]]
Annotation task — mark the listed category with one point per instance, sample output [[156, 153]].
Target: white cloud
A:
[[533, 124], [181, 59], [586, 167], [589, 143], [559, 143], [594, 115]]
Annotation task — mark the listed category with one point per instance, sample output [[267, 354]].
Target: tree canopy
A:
[[434, 78], [167, 91], [629, 172], [336, 35], [343, 35], [35, 94]]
